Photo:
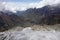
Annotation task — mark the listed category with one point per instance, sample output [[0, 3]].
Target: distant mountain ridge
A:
[[46, 15]]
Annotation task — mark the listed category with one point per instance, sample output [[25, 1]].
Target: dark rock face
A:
[[45, 15], [1, 22]]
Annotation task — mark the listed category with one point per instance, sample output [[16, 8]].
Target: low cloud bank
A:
[[13, 6]]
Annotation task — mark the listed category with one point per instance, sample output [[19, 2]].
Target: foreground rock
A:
[[29, 34]]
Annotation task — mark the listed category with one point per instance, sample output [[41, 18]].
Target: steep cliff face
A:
[[8, 21]]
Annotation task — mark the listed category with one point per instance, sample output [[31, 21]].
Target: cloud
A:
[[13, 6]]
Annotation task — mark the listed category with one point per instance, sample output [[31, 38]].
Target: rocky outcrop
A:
[[29, 34]]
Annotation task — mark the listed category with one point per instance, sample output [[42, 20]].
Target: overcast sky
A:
[[14, 5]]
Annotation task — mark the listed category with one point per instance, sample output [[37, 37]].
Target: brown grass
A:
[[46, 27]]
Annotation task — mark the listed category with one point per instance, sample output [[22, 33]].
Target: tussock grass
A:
[[46, 27]]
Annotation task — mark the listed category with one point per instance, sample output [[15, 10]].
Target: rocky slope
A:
[[29, 34]]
